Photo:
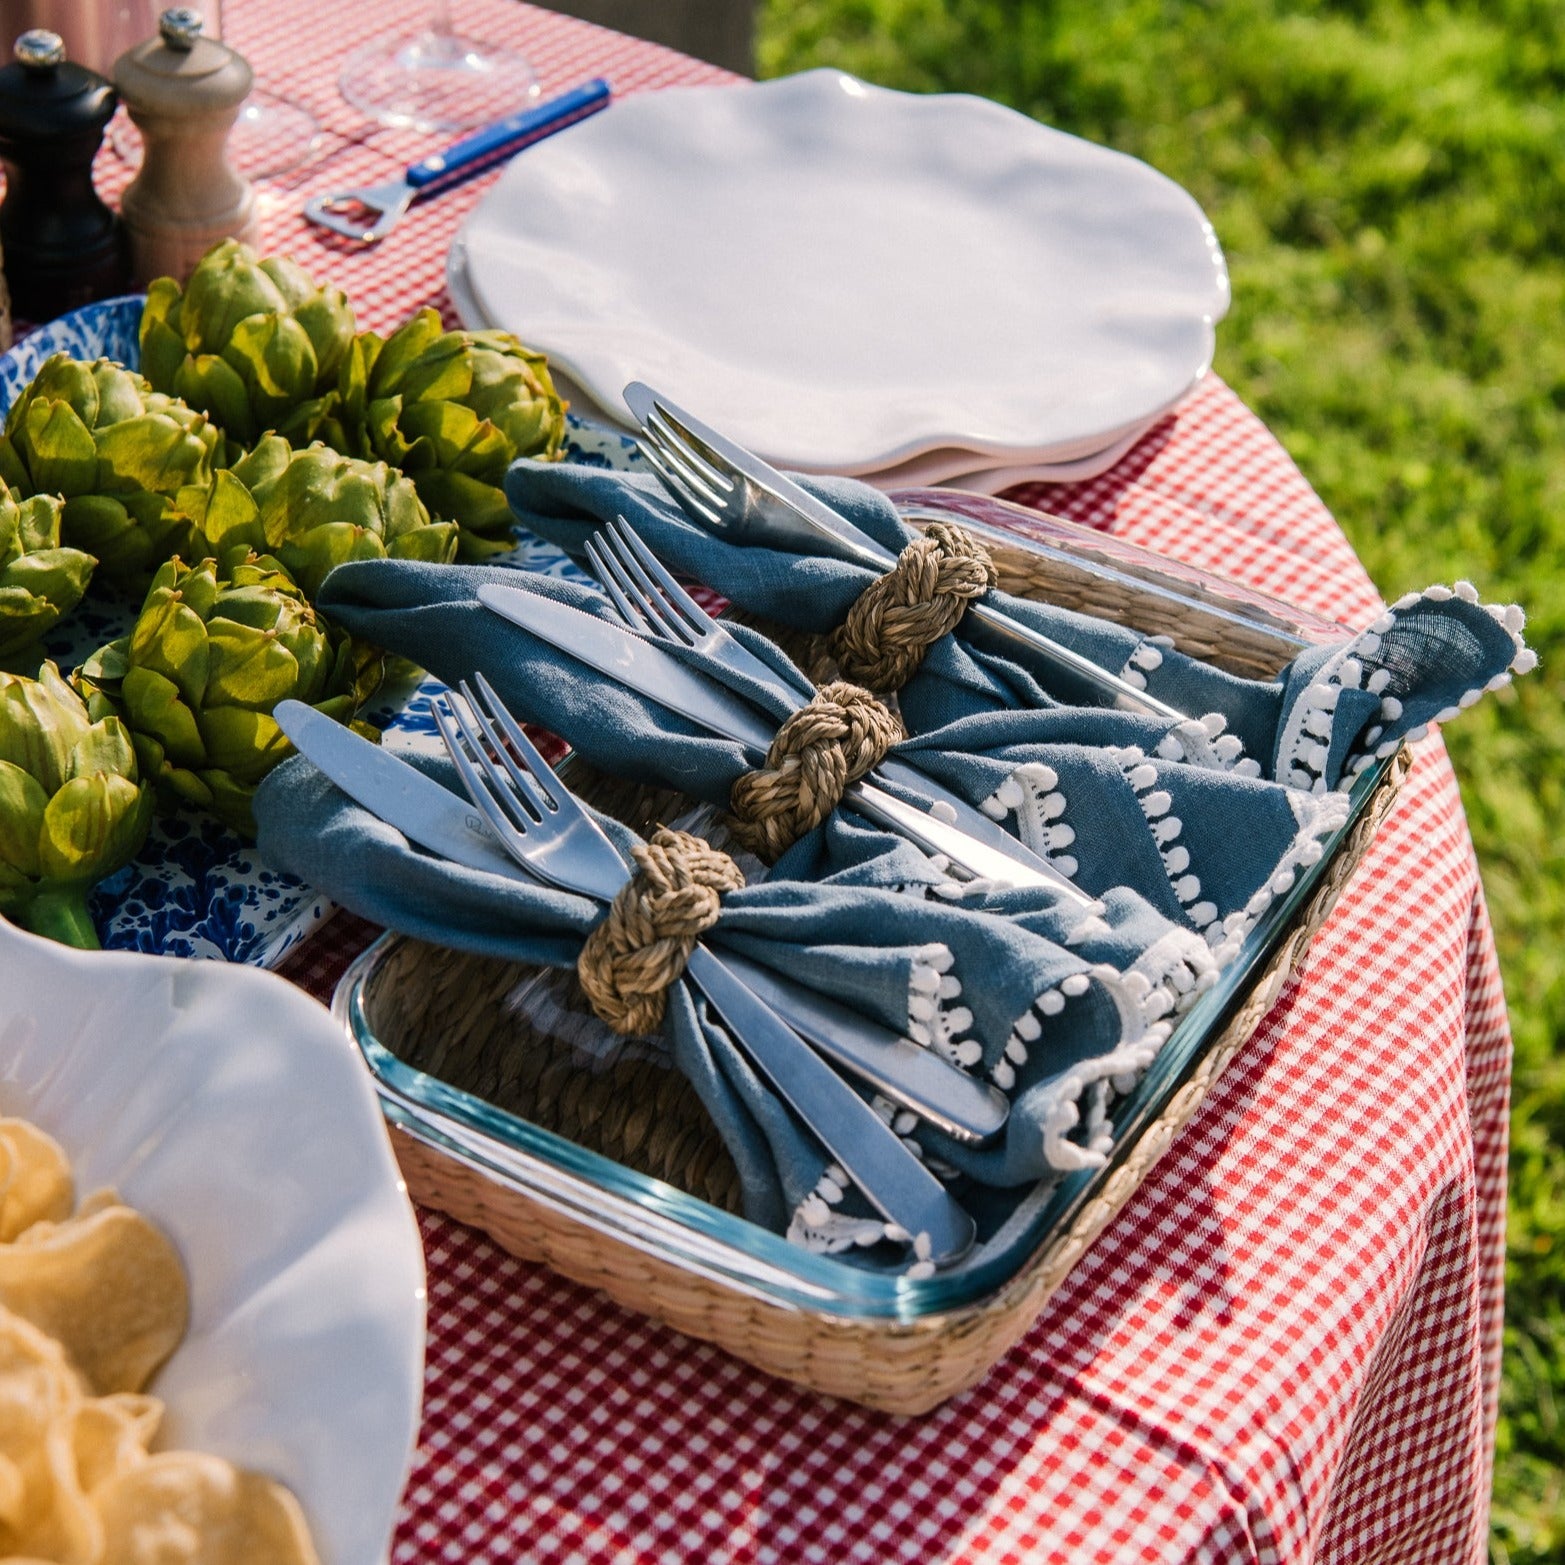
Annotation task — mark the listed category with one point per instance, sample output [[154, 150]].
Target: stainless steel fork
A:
[[651, 601], [732, 493], [542, 826]]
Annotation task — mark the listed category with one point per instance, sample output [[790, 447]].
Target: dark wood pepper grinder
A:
[[63, 247]]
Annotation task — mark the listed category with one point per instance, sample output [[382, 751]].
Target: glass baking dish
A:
[[651, 1215]]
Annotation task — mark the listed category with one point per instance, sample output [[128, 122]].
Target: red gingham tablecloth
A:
[[1285, 1348]]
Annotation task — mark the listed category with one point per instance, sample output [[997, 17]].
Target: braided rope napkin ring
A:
[[897, 618], [629, 961], [820, 750]]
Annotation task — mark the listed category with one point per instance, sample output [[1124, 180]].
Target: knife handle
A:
[[896, 1183], [486, 147]]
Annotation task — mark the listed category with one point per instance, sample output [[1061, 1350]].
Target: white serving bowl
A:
[[229, 1107]]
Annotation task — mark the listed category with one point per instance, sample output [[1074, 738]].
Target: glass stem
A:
[[440, 19]]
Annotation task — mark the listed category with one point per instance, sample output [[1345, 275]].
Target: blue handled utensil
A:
[[344, 212]]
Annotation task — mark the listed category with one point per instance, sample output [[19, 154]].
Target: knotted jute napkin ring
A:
[[823, 747], [896, 619], [629, 961]]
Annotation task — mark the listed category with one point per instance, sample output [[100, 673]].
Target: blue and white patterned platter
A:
[[197, 889]]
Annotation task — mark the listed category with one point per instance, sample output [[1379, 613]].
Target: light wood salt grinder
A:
[[184, 92]]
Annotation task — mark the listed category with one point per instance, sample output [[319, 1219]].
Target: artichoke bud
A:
[[72, 806], [256, 344], [63, 454], [41, 722], [105, 747], [216, 646], [399, 355], [317, 508], [203, 380], [274, 357], [163, 348], [23, 801], [353, 378], [431, 401], [39, 581], [225, 513], [118, 453]]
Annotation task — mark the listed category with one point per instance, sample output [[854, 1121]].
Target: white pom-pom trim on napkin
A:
[[1073, 1139], [1304, 747], [1156, 805], [1146, 657], [1318, 815], [1197, 741], [1166, 979], [934, 1019], [818, 1228], [817, 1225], [1031, 793], [1203, 741]]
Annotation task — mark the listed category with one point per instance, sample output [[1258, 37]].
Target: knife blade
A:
[[634, 662], [399, 794]]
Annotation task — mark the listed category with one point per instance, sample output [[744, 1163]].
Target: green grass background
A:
[[1387, 183]]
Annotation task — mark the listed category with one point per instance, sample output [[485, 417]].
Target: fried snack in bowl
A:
[[35, 1179], [240, 1518], [229, 1258], [109, 1286], [44, 1512], [94, 1302]]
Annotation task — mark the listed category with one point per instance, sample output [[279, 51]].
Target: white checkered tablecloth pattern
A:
[[1284, 1349]]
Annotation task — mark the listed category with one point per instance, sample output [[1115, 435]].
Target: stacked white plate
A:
[[912, 290]]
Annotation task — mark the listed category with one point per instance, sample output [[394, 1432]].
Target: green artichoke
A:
[[213, 651], [452, 410], [256, 344], [118, 453], [71, 808], [315, 508], [39, 581]]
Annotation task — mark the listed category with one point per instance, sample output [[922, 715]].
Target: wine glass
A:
[[436, 79]]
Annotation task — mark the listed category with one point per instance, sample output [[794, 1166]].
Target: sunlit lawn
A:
[[1387, 183]]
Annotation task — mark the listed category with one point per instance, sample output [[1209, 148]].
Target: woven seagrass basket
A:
[[457, 1018]]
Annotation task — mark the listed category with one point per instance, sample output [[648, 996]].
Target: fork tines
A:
[[671, 451], [642, 588], [499, 765]]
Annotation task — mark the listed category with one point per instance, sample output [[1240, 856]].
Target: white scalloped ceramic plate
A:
[[232, 1110], [843, 277]]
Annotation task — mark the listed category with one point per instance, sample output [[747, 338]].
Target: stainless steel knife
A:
[[646, 668], [395, 792]]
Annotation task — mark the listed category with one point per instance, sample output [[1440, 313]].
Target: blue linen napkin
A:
[[1184, 849], [1327, 715], [1113, 799], [1060, 1029]]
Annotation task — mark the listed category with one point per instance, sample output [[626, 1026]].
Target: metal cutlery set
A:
[[734, 495], [532, 826], [524, 822]]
